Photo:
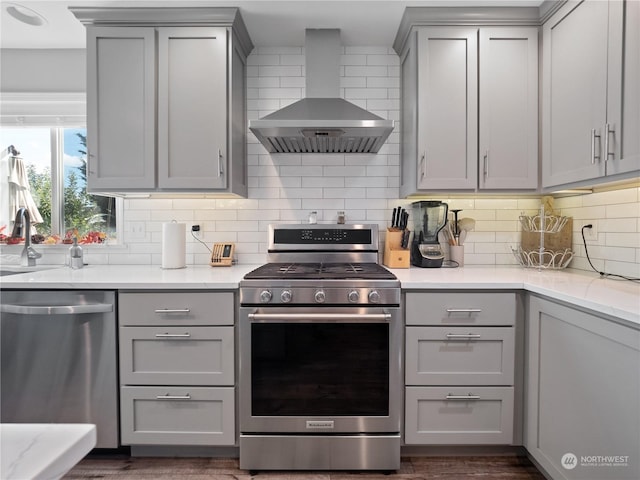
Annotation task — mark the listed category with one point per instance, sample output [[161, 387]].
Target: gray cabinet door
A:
[[583, 393], [508, 108], [177, 416], [460, 308], [574, 92], [192, 107], [447, 126], [177, 355], [459, 415], [627, 155], [120, 108], [176, 308], [459, 355]]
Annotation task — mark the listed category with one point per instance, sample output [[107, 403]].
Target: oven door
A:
[[320, 370]]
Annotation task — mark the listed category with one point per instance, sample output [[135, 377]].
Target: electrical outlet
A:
[[591, 233], [137, 230], [196, 232]]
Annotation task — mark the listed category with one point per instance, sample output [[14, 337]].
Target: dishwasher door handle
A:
[[56, 309]]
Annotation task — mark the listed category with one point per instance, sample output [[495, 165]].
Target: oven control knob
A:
[[265, 296], [320, 296], [353, 296], [285, 296], [374, 296]]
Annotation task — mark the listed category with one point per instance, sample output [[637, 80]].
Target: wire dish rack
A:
[[541, 257], [543, 223], [548, 259]]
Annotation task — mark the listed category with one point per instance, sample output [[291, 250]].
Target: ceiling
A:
[[270, 23]]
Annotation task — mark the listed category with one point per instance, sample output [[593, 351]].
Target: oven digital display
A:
[[322, 236]]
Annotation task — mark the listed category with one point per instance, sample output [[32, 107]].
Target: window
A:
[[55, 163]]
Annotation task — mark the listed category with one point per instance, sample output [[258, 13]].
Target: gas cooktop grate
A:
[[372, 271]]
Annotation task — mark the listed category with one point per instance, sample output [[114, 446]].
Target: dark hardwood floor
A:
[[413, 468]]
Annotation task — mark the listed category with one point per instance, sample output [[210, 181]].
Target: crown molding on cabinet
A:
[[168, 16], [477, 16]]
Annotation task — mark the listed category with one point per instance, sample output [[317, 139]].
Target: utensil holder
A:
[[394, 255], [456, 254]]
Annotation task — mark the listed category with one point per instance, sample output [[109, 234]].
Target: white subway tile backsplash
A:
[[285, 187]]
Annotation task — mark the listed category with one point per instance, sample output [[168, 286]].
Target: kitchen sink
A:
[[17, 269]]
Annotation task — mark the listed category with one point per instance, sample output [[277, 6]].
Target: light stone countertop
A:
[[616, 298], [43, 450]]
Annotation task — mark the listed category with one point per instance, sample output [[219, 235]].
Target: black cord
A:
[[194, 236], [603, 274]]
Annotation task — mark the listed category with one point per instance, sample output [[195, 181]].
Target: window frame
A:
[[55, 111]]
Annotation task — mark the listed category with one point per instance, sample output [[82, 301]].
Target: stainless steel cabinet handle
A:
[[464, 310], [327, 317], [423, 165], [486, 163], [462, 336], [90, 162], [173, 335], [607, 131], [220, 172], [174, 397], [56, 309], [462, 397], [172, 310], [594, 157]]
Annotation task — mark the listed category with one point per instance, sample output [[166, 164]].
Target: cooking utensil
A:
[[456, 231]]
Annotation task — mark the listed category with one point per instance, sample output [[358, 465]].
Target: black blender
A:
[[429, 217]]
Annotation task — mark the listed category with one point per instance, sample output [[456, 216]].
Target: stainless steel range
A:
[[320, 349]]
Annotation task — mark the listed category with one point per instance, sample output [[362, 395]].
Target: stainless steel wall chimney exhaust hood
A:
[[322, 122]]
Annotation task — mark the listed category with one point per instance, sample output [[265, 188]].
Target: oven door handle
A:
[[320, 317]]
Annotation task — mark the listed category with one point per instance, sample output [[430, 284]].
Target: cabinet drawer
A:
[[459, 355], [184, 308], [176, 355], [177, 416], [460, 308], [459, 415]]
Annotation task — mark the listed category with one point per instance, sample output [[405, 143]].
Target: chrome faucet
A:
[[22, 225]]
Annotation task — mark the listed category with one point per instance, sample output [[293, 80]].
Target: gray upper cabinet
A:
[[447, 108], [121, 108], [166, 99], [192, 113], [469, 99], [590, 93], [508, 108]]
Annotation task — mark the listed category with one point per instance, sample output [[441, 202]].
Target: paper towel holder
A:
[[222, 254]]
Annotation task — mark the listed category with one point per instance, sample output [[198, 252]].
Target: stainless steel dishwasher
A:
[[58, 353]]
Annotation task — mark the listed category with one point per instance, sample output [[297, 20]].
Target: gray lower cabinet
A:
[[177, 415], [177, 371], [583, 394], [460, 368]]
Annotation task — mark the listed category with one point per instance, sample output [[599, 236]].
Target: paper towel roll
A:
[[173, 245]]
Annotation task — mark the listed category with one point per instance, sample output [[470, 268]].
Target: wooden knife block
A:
[[394, 255]]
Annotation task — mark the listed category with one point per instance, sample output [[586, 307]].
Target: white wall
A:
[[46, 70]]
